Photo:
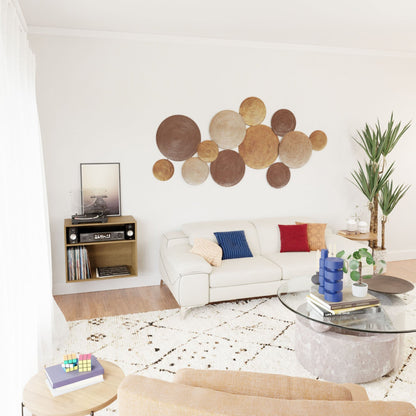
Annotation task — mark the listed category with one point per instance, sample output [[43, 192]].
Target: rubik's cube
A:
[[70, 362], [84, 362]]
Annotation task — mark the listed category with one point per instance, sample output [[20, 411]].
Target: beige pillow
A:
[[316, 235], [209, 250]]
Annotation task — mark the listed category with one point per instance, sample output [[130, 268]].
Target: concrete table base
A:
[[343, 356]]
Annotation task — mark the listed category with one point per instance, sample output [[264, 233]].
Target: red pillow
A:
[[293, 238]]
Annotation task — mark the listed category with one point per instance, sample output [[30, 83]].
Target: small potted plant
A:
[[353, 264]]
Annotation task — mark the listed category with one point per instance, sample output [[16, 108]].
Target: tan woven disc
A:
[[260, 147], [163, 169], [253, 111], [278, 175], [295, 149], [318, 139], [283, 121], [208, 150], [228, 169], [227, 129], [195, 171]]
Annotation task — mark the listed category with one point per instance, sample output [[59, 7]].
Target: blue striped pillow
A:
[[234, 244]]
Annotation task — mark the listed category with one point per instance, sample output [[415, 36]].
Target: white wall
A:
[[101, 99]]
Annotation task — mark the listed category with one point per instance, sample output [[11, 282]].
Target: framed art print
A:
[[100, 188]]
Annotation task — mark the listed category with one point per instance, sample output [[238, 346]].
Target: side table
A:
[[40, 402], [358, 236]]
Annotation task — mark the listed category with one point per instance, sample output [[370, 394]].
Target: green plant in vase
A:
[[353, 264], [373, 175]]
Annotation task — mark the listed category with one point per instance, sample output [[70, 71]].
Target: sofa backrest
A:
[[208, 228], [269, 234]]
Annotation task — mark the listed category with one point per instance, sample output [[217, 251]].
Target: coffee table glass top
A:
[[396, 313]]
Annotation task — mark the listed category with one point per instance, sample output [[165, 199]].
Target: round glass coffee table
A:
[[354, 348]]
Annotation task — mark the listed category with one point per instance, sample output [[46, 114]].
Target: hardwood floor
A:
[[152, 298], [115, 302]]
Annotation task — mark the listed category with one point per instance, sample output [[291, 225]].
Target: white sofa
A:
[[194, 282]]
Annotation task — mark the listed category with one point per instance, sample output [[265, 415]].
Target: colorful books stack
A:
[[60, 382], [349, 304]]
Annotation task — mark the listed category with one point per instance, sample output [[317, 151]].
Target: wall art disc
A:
[[178, 137], [228, 169], [283, 121], [253, 111], [195, 171], [208, 150], [227, 129], [295, 149], [278, 175], [318, 139], [260, 147], [163, 169]]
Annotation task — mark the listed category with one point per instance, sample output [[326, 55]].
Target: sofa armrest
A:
[[138, 395], [268, 385], [180, 260]]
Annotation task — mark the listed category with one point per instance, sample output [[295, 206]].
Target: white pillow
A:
[[209, 250]]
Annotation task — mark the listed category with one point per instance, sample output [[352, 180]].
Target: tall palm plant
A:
[[371, 178], [389, 198]]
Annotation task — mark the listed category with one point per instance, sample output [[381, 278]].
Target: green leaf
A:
[[367, 276], [356, 255], [340, 254], [354, 264], [355, 276], [370, 260]]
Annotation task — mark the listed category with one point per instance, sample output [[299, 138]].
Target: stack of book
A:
[[61, 382], [350, 304]]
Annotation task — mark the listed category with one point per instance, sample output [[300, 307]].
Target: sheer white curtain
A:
[[26, 308]]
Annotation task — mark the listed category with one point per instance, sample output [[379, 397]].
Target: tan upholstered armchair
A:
[[237, 393]]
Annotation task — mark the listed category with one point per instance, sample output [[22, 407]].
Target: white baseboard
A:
[[401, 255], [107, 284]]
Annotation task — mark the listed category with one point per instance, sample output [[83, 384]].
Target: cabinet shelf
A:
[[101, 253]]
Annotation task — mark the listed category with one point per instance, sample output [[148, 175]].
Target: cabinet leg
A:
[[161, 282]]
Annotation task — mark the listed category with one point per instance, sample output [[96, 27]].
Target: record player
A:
[[93, 217]]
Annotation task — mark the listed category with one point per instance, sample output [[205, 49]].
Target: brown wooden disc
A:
[[227, 129], [228, 169], [253, 111], [260, 147], [278, 175], [295, 149], [163, 169], [178, 137], [208, 150], [283, 121], [318, 139], [195, 171]]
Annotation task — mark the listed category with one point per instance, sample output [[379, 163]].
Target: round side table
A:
[[87, 400]]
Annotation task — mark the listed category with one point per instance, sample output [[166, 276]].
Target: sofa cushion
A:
[[293, 238], [244, 271], [316, 235], [269, 234], [208, 250], [234, 244], [208, 228], [294, 264]]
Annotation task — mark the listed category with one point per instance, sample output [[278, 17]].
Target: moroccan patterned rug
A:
[[255, 335]]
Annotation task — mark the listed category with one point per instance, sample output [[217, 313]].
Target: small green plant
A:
[[353, 263]]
